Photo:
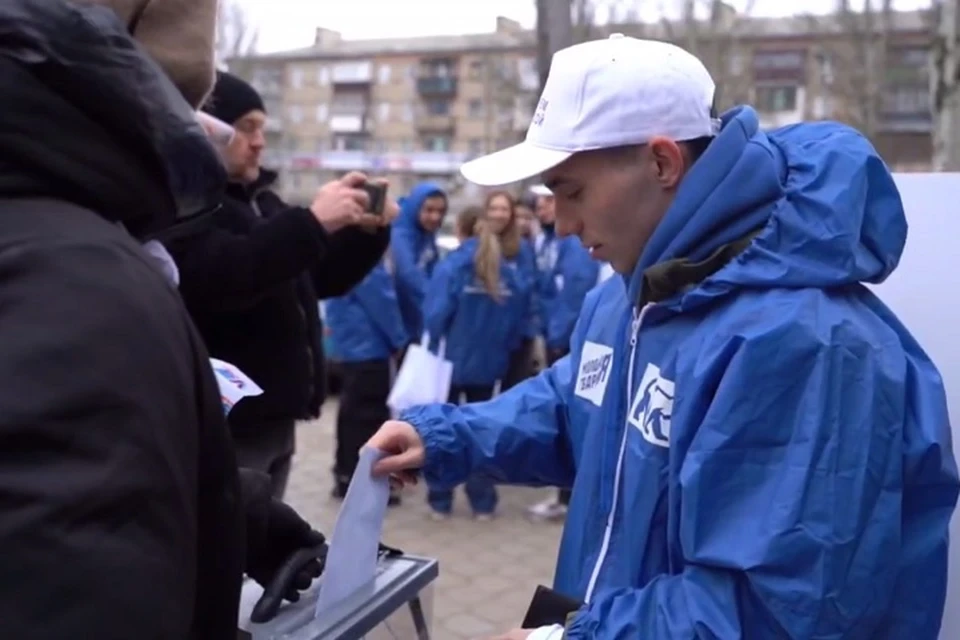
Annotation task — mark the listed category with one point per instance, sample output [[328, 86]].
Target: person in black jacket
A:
[[253, 280], [121, 511]]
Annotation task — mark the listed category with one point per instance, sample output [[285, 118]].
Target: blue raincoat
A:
[[757, 447], [566, 272], [414, 254], [480, 332], [366, 323], [526, 264]]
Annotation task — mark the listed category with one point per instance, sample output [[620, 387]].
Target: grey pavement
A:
[[488, 570]]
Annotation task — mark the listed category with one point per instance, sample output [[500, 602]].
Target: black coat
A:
[[120, 505], [252, 282]]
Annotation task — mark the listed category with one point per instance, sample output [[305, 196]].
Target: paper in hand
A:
[[352, 557], [234, 384]]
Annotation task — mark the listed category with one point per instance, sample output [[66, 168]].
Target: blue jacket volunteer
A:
[[526, 265], [566, 273], [479, 331], [414, 248], [367, 330], [759, 449], [366, 324]]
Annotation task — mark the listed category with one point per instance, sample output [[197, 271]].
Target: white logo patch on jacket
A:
[[596, 360], [652, 407]]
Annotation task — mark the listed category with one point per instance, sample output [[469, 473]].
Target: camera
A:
[[377, 193]]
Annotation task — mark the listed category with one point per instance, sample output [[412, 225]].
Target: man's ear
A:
[[668, 159]]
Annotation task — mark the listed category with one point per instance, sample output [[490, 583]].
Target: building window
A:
[[384, 73], [475, 71], [438, 107], [780, 65], [349, 143], [384, 108], [295, 113], [776, 99], [475, 108], [907, 101], [323, 76], [322, 113], [296, 77], [436, 143]]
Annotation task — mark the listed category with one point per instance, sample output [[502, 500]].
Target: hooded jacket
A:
[[757, 447], [121, 505], [414, 254], [566, 273], [366, 324], [479, 332]]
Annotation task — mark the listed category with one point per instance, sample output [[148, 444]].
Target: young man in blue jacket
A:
[[367, 328], [414, 248], [761, 449]]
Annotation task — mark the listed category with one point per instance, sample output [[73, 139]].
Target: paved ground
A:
[[488, 570]]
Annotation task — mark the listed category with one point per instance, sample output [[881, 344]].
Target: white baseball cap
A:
[[607, 93]]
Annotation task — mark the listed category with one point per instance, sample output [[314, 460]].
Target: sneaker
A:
[[439, 516], [483, 517], [548, 510]]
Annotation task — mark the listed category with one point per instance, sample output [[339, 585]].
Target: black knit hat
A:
[[232, 98]]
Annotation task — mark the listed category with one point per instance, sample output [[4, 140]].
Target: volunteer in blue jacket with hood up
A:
[[368, 330], [761, 449], [477, 304], [414, 246]]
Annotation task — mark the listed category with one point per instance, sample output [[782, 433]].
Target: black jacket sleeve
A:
[[98, 446], [351, 254], [221, 269]]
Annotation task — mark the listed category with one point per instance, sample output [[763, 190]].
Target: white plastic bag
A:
[[424, 377]]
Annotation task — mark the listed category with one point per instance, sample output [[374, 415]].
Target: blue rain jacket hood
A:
[[415, 254], [757, 447], [479, 333], [366, 323]]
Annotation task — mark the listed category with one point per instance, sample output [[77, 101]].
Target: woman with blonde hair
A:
[[476, 304]]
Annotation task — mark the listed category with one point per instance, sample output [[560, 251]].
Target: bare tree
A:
[[855, 48], [236, 34], [718, 40], [945, 86]]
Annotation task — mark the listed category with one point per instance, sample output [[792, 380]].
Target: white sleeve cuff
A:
[[553, 632]]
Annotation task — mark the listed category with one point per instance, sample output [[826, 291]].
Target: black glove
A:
[[274, 533]]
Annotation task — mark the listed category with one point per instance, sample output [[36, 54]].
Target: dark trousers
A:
[[268, 447], [363, 409], [521, 365], [563, 496], [480, 490]]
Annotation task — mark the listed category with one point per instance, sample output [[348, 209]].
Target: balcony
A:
[[437, 85], [352, 73], [427, 121], [349, 123]]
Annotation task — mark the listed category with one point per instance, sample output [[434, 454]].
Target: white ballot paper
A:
[[234, 384], [352, 558]]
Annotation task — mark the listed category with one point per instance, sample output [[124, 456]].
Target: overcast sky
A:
[[290, 24]]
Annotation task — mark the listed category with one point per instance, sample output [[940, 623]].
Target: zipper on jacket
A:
[[636, 322]]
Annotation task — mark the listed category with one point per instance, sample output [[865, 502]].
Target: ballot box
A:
[[398, 605]]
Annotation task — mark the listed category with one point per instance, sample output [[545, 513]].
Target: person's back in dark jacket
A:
[[252, 281], [120, 512]]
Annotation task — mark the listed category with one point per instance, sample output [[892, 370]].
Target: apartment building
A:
[[416, 108]]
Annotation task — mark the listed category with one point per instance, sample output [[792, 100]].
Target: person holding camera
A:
[[252, 279]]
